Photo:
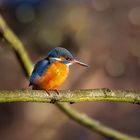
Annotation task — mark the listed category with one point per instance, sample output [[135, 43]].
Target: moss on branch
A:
[[70, 96]]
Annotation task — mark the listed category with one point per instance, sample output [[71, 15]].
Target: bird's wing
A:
[[40, 67]]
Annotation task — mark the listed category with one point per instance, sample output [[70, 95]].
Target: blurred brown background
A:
[[103, 33]]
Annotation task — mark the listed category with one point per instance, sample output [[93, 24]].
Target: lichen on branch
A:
[[70, 96]]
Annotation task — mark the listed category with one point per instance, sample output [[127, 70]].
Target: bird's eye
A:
[[68, 59]]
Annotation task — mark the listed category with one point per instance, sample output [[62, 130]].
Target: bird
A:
[[50, 72]]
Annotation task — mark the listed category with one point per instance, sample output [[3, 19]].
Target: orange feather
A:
[[54, 77]]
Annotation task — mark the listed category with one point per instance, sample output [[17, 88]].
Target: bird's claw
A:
[[55, 90]]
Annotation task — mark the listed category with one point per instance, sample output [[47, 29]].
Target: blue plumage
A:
[[58, 52], [40, 67], [56, 55]]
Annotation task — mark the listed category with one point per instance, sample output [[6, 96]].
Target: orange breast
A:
[[54, 77]]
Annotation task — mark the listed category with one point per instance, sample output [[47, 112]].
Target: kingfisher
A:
[[50, 72]]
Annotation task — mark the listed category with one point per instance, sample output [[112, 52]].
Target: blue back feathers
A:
[[39, 69]]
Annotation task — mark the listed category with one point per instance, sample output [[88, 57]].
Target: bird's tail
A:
[[30, 84]]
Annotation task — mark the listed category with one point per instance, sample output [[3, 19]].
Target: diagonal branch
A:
[[94, 125], [17, 46], [70, 96], [23, 95]]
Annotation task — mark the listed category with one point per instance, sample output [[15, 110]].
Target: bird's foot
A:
[[47, 91], [54, 98], [55, 90]]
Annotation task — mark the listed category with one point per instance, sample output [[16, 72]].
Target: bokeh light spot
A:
[[101, 5], [78, 18], [51, 37], [114, 68], [135, 49], [25, 13], [134, 16]]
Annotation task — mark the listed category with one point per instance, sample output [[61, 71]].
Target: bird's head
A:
[[64, 56]]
